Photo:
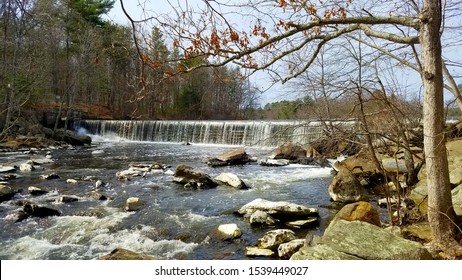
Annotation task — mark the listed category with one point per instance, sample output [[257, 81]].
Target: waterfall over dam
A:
[[240, 133]]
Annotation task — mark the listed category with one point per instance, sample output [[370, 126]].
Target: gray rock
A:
[[280, 210], [389, 164], [274, 162], [132, 172], [361, 240], [272, 239], [232, 180]]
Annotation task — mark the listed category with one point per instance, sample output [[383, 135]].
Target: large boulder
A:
[[288, 151], [361, 240], [345, 187], [358, 211], [192, 178], [280, 210]]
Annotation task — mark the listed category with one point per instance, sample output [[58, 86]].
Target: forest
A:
[[393, 67], [64, 55]]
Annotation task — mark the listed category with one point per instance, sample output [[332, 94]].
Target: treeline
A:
[[63, 55]]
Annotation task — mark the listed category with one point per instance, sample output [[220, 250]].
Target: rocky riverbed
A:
[[172, 201]]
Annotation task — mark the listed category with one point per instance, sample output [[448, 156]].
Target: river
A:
[[174, 224]]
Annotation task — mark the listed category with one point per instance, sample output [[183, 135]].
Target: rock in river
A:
[[231, 180], [280, 210], [273, 238]]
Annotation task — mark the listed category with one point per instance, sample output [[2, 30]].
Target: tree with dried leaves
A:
[[265, 34]]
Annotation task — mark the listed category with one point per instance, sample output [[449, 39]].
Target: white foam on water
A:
[[76, 237]]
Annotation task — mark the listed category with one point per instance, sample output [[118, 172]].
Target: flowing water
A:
[[174, 224]]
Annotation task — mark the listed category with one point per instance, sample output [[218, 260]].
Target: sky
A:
[[275, 93]]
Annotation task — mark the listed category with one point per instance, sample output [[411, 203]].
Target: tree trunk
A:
[[440, 208]]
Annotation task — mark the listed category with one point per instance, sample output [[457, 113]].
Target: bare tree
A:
[[279, 28]]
